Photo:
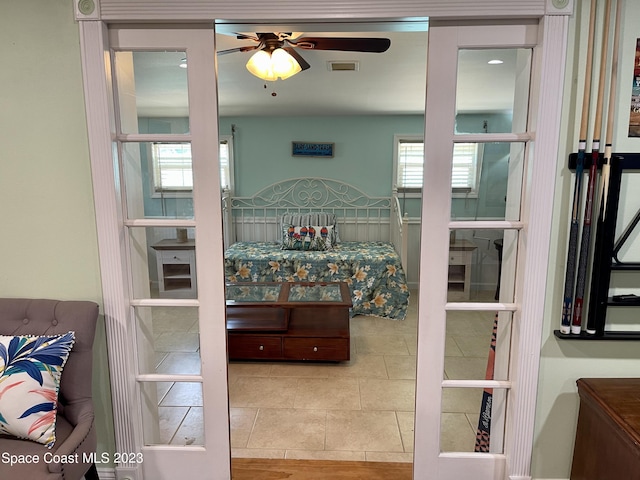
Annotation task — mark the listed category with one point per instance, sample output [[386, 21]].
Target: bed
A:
[[367, 242]]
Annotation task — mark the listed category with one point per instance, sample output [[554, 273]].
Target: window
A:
[[409, 166], [226, 163], [172, 169]]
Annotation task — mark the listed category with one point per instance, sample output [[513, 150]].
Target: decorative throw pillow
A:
[[30, 370], [313, 218], [310, 238]]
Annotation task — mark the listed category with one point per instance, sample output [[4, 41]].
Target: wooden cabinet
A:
[[608, 435], [283, 330], [459, 281], [176, 263]]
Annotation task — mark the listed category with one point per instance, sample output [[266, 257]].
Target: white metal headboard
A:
[[360, 217]]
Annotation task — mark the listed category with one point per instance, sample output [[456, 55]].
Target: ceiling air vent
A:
[[346, 66]]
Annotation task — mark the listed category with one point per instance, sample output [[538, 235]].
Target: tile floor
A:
[[358, 410]]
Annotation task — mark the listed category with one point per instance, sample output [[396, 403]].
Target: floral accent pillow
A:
[[30, 370], [313, 218], [310, 238]]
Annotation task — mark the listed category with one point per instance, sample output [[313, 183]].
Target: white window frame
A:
[[415, 191], [226, 172]]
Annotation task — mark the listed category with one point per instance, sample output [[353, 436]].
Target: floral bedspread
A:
[[372, 269]]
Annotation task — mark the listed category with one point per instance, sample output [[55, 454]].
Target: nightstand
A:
[[176, 262], [459, 281]]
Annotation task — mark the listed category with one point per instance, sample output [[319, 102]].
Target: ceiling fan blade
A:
[[345, 44], [247, 36], [238, 49], [301, 61]]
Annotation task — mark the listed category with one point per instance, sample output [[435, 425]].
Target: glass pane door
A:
[[476, 150], [166, 157]]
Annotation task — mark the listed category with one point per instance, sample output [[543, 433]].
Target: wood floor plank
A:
[[275, 469]]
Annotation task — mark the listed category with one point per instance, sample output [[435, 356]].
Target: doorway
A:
[[119, 311]]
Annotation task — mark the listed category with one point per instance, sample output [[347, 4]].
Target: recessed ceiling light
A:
[[495, 62], [183, 63]]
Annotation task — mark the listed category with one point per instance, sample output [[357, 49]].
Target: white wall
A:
[[562, 361], [48, 240]]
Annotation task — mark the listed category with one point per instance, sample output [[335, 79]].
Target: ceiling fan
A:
[[277, 56]]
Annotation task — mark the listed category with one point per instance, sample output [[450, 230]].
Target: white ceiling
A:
[[392, 82]]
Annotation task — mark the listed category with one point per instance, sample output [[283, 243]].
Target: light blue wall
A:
[[363, 155], [492, 190], [363, 152]]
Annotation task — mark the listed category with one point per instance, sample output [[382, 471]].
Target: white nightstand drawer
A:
[[457, 258], [177, 256]]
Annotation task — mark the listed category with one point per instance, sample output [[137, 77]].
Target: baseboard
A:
[[107, 473]]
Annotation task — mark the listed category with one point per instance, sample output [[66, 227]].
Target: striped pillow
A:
[[312, 218]]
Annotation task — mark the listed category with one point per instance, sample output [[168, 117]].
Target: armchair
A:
[[75, 430]]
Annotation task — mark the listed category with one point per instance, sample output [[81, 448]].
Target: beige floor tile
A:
[[183, 394], [362, 325], [451, 348], [257, 453], [177, 342], [191, 432], [160, 356], [360, 365], [461, 400], [379, 394], [241, 422], [401, 366], [456, 433], [343, 456], [412, 343], [247, 369], [162, 388], [262, 395], [300, 370], [474, 346], [406, 422], [381, 345], [465, 368], [463, 323], [389, 457], [170, 419], [363, 431], [328, 393], [186, 363], [174, 319], [287, 428], [263, 392]]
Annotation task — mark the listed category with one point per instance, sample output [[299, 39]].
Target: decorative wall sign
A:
[[634, 114], [309, 149]]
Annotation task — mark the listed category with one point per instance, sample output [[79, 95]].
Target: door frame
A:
[[95, 15]]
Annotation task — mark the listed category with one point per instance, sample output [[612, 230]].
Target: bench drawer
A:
[[333, 349], [254, 347]]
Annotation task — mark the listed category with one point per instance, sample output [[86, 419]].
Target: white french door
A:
[[136, 213], [165, 160], [458, 56]]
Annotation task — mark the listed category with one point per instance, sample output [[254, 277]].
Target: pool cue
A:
[[604, 238], [572, 255], [581, 280]]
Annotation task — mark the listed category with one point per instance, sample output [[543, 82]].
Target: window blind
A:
[[172, 166]]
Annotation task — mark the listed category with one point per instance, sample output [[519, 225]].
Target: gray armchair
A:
[[75, 429]]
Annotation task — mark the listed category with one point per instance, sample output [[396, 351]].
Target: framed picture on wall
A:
[[311, 149]]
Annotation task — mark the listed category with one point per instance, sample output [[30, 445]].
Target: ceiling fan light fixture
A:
[[270, 67], [284, 65]]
